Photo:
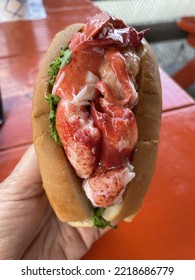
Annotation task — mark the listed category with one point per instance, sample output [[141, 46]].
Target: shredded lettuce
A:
[[55, 65], [99, 221], [53, 100], [58, 63]]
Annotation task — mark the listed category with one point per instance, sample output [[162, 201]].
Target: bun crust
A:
[[61, 184]]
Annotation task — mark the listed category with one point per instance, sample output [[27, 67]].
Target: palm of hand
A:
[[29, 227]]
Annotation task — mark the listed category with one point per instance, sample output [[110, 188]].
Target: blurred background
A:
[[168, 41]]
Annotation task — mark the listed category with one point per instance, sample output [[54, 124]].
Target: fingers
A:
[[28, 165]]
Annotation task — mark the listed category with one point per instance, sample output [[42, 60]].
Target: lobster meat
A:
[[94, 119]]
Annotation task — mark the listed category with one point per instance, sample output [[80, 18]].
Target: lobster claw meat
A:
[[119, 134], [92, 27], [103, 31], [79, 137], [95, 24], [105, 189]]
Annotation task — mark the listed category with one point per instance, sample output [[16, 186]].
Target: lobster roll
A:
[[96, 121]]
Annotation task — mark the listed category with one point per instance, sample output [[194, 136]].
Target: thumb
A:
[[25, 174]]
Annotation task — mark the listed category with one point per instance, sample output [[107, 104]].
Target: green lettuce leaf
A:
[[99, 221], [53, 100], [58, 63], [55, 65]]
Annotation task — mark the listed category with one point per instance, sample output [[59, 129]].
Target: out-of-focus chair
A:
[[186, 75]]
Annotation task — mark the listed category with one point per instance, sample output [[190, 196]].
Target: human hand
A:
[[29, 229]]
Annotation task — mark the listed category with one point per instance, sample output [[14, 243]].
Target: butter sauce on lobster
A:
[[93, 102]]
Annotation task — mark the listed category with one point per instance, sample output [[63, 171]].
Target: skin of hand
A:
[[29, 229]]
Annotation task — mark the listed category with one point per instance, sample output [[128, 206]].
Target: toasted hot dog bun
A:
[[61, 184]]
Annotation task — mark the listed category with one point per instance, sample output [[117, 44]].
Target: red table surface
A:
[[165, 226]]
